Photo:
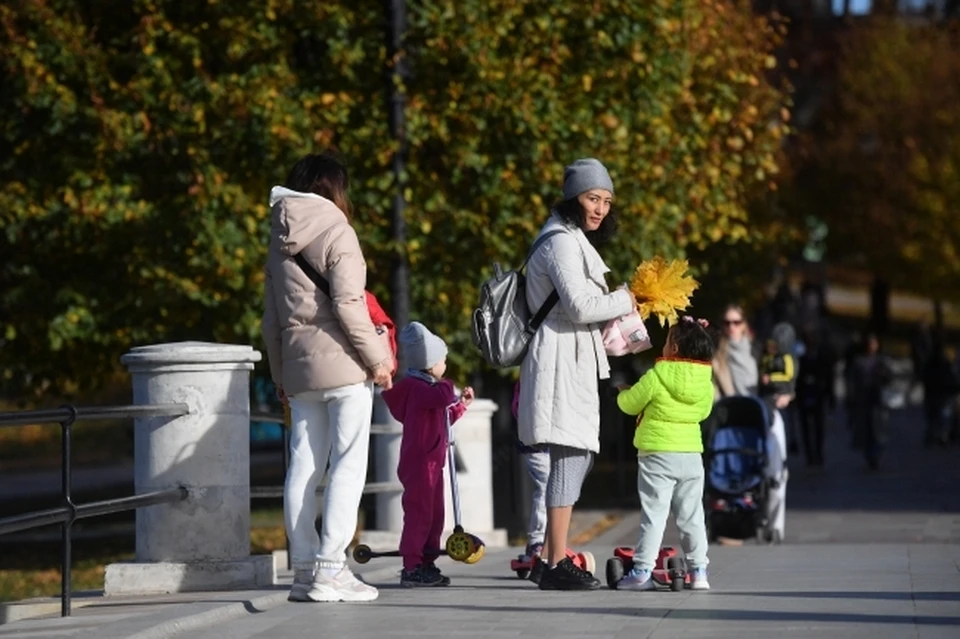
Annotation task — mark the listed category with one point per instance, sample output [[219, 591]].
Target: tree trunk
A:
[[938, 316]]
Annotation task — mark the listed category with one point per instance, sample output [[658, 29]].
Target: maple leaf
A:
[[663, 288]]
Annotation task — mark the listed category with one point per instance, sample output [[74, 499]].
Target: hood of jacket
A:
[[296, 219], [686, 381], [785, 338]]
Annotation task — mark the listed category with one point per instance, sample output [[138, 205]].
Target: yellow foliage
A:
[[662, 288]]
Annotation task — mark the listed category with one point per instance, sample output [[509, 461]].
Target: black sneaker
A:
[[432, 568], [536, 570], [566, 576], [420, 577]]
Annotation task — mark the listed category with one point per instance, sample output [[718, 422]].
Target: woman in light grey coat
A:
[[559, 407]]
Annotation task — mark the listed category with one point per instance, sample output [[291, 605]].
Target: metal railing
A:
[[68, 512], [272, 492]]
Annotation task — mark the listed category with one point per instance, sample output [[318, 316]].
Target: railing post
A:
[[66, 528], [202, 543]]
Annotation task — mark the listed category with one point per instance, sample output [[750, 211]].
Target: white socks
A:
[[329, 571]]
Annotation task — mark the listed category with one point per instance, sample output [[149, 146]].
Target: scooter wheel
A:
[[362, 554], [676, 583], [523, 573], [589, 562], [614, 572], [460, 545], [476, 556]]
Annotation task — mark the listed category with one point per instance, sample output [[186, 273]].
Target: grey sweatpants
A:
[[671, 481], [538, 467]]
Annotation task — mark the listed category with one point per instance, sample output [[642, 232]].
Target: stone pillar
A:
[[474, 447], [202, 543]]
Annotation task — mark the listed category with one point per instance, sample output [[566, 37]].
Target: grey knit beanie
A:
[[583, 175], [421, 348]]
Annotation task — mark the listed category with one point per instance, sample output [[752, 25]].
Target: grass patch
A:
[[34, 571], [38, 446]]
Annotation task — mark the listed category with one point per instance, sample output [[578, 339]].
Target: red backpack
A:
[[385, 327]]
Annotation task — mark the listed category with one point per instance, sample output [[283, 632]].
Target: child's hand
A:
[[765, 379], [623, 387], [467, 396]]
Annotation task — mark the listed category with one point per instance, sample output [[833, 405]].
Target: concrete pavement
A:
[[867, 555], [876, 591]]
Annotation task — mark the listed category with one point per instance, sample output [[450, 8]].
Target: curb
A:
[[210, 617], [232, 611]]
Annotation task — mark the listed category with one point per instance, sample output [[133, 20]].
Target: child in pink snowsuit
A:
[[419, 401]]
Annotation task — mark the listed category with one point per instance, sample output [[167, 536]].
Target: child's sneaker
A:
[[344, 586], [567, 576], [533, 550], [637, 579], [420, 577], [302, 583], [444, 580], [698, 578]]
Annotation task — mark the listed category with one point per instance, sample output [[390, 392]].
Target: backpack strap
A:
[[538, 243], [548, 305], [319, 280], [554, 297]]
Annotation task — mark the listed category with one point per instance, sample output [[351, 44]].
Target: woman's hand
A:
[[782, 401], [382, 376], [467, 396]]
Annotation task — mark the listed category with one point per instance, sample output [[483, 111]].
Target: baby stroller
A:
[[736, 487]]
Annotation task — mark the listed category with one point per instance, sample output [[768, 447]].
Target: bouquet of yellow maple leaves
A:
[[662, 288]]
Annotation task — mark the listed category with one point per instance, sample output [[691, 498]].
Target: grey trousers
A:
[[671, 481], [538, 467]]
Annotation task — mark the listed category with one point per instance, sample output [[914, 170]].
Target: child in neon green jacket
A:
[[672, 399]]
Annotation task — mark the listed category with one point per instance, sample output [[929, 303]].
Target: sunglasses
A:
[[733, 322]]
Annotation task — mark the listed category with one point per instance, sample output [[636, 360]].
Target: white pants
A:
[[326, 425], [777, 471], [671, 482]]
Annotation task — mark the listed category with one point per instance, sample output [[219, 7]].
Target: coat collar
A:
[[596, 268]]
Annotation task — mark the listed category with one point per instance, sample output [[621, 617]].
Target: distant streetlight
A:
[[396, 11]]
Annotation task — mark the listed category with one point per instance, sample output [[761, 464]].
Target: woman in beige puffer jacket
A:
[[325, 356]]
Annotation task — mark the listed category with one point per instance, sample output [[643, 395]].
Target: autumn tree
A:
[[140, 139], [884, 172]]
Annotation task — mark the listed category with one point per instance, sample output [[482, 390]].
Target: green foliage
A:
[[884, 172], [140, 139]]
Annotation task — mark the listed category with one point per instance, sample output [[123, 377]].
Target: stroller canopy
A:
[[736, 445]]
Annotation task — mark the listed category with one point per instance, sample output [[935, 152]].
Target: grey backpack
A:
[[502, 324]]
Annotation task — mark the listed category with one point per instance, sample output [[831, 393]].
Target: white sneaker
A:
[[344, 586], [698, 579], [302, 582], [637, 579]]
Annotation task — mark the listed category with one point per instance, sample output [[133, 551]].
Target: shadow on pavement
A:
[[714, 615]]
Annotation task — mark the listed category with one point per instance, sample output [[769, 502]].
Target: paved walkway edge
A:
[[208, 618], [234, 610]]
